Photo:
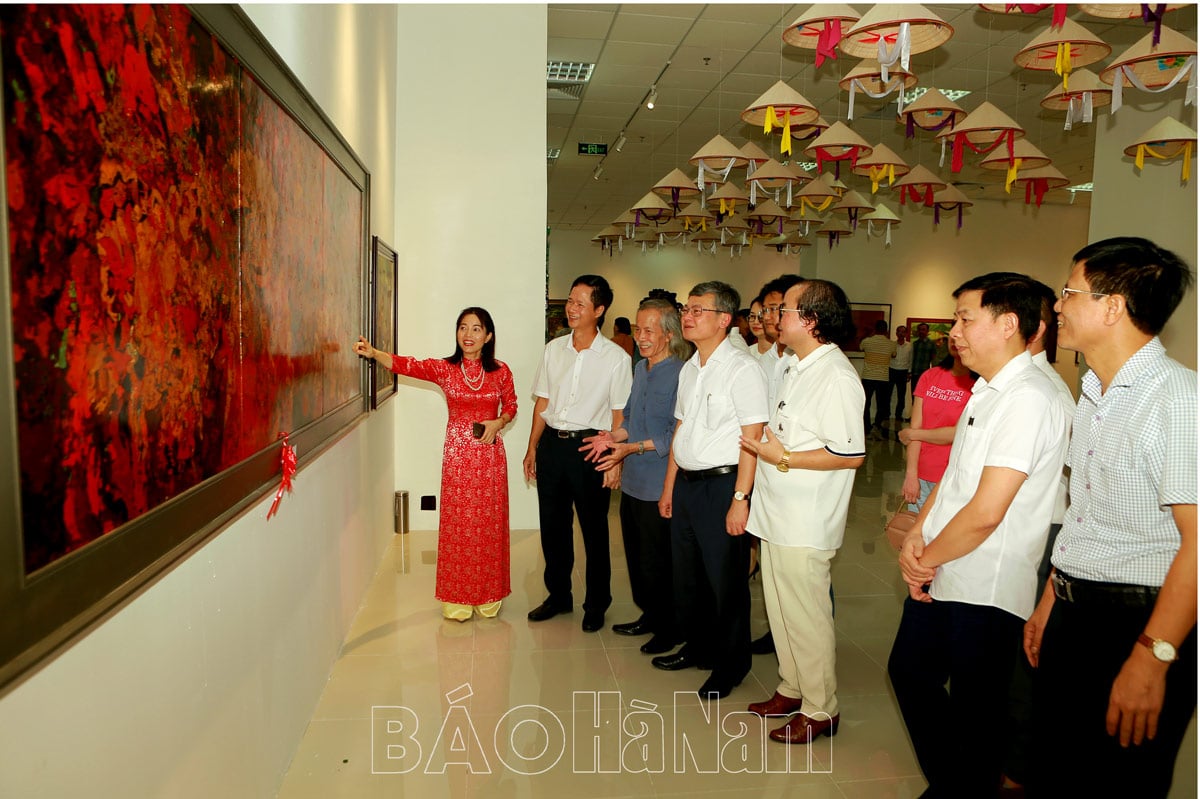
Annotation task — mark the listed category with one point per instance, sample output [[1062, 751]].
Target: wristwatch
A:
[[784, 462], [741, 496], [1163, 650]]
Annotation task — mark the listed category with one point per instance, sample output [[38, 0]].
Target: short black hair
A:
[[823, 303], [780, 284], [881, 326], [1049, 298], [601, 293], [1152, 280], [1008, 292], [621, 325]]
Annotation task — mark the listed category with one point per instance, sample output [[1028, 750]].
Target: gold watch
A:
[[784, 462], [1162, 650]]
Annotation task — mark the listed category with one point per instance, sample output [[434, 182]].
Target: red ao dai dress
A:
[[473, 547]]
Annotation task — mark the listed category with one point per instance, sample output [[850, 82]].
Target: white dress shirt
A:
[[1015, 421], [1068, 402], [820, 406], [713, 404], [583, 388]]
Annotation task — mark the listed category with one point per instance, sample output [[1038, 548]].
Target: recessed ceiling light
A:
[[553, 153], [953, 95], [572, 71], [1080, 187]]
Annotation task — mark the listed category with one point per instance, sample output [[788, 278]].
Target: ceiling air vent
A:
[[565, 79]]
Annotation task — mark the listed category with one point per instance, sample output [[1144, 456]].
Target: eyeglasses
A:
[[696, 310], [783, 310], [1067, 291], [755, 317], [770, 310]]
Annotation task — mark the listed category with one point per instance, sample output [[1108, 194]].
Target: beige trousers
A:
[[796, 593]]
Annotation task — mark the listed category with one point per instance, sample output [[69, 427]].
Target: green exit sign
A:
[[592, 149]]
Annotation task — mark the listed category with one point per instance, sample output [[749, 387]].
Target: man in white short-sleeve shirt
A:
[[801, 499], [970, 561], [581, 386], [722, 397]]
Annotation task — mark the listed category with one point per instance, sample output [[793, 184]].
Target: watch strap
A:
[[1150, 643]]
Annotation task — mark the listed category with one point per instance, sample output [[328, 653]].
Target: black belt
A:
[[1089, 592], [706, 474], [571, 433]]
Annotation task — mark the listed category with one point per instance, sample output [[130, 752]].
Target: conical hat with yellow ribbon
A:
[[1051, 48], [1082, 80], [1167, 139]]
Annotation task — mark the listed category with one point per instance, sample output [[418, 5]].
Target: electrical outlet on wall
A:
[[429, 502]]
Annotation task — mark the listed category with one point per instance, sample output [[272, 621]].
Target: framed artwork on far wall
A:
[[556, 318], [383, 319], [865, 315], [939, 333]]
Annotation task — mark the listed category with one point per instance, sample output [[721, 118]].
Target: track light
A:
[[653, 98], [598, 171], [620, 142]]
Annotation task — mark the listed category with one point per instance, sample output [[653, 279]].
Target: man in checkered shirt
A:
[[1113, 638]]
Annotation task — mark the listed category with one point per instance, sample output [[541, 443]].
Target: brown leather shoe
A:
[[800, 729], [777, 705]]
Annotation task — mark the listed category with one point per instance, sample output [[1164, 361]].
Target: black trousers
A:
[[1082, 652], [565, 479], [958, 732], [879, 389], [712, 592], [898, 380], [647, 539]]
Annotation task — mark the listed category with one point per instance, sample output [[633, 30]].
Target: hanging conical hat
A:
[[676, 183], [837, 225], [867, 73], [694, 213], [1011, 8], [711, 234], [651, 207], [773, 175], [984, 125], [1082, 80], [812, 218], [920, 177], [734, 223], [1054, 178], [837, 140], [1031, 157], [609, 233], [766, 211], [730, 191], [820, 187], [627, 218], [950, 197], [647, 234], [754, 154], [1121, 10], [789, 104], [1169, 138], [805, 30], [926, 30], [881, 214], [852, 201], [717, 153], [1042, 52], [1152, 65], [932, 108], [882, 155], [672, 227]]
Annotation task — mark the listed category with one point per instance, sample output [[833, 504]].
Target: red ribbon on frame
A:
[[287, 471]]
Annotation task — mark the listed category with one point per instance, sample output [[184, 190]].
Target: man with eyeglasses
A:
[[772, 361], [813, 444], [1113, 638], [722, 397], [581, 386]]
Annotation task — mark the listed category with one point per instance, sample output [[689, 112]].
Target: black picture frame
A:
[[865, 314], [48, 609], [384, 264]]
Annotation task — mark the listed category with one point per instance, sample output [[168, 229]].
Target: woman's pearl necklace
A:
[[478, 384]]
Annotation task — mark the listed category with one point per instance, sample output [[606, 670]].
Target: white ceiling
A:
[[698, 98]]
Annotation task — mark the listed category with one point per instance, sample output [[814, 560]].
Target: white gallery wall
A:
[[203, 684]]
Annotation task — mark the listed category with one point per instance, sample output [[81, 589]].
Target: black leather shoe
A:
[[718, 684], [547, 610], [592, 622], [764, 645], [657, 645], [680, 660], [639, 627]]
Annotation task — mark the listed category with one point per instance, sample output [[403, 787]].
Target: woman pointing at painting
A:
[[473, 556]]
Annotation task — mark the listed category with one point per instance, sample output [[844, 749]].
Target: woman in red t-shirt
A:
[[938, 400]]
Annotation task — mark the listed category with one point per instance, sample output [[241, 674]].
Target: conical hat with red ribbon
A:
[[926, 30], [1042, 53]]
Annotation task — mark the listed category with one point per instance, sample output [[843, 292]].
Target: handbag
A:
[[898, 526]]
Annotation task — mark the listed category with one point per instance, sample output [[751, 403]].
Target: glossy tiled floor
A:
[[421, 707]]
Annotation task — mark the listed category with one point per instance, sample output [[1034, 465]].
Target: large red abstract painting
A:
[[184, 261]]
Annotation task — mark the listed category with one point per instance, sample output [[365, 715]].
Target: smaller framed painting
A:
[[865, 315], [383, 319], [556, 318], [939, 333]]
